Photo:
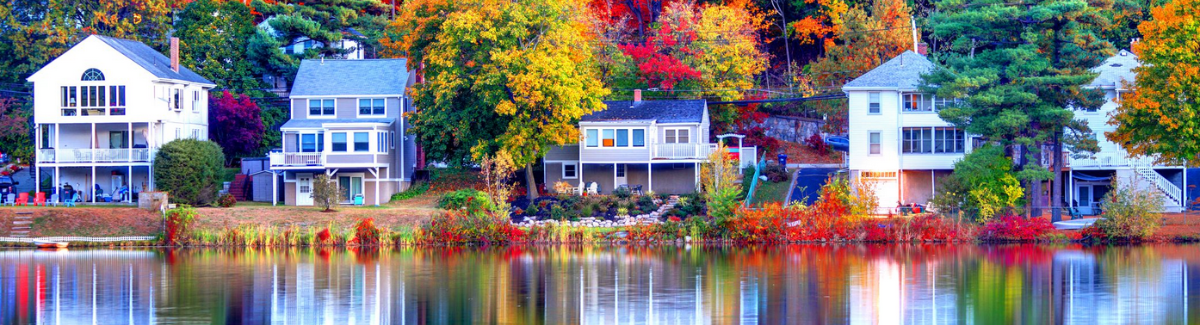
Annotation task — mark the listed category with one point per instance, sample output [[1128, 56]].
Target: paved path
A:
[[807, 183]]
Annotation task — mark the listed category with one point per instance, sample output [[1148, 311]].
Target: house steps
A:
[[21, 224], [239, 187], [1164, 185]]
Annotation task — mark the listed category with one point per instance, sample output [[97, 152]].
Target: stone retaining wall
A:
[[788, 128]]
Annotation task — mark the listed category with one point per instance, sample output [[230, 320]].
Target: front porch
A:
[[95, 184], [94, 143], [357, 186]]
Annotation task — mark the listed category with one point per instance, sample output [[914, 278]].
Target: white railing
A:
[[94, 155], [1161, 183], [297, 159], [748, 156], [1047, 157], [1117, 160], [682, 150]]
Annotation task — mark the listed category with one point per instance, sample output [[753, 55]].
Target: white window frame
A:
[[575, 171], [322, 110], [676, 136], [628, 143], [354, 141], [318, 138], [876, 147], [346, 142], [196, 101], [875, 103], [358, 106], [382, 139]]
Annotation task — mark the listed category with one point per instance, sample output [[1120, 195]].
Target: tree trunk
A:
[[1056, 192], [530, 183]]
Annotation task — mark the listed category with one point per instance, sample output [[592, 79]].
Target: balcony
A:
[[139, 155], [1047, 159], [1120, 160], [296, 159], [676, 151]]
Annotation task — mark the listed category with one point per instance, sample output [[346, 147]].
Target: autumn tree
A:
[[1018, 73], [1158, 115], [853, 53], [213, 39], [502, 78], [15, 122], [235, 124]]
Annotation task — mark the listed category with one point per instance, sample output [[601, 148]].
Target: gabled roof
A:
[[318, 123], [1115, 69], [901, 72], [661, 111], [350, 77], [156, 63]]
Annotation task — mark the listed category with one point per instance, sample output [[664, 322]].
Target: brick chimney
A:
[[175, 54], [637, 96]]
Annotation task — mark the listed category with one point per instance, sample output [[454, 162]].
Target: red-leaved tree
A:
[[235, 124], [659, 59]]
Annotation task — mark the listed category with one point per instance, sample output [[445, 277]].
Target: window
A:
[[622, 138], [361, 141], [175, 99], [47, 136], [620, 170], [69, 101], [570, 171], [873, 107], [339, 142], [608, 137], [320, 107], [868, 174], [196, 134], [92, 99], [939, 102], [196, 101], [639, 138], [371, 106], [392, 139], [593, 138], [916, 102], [676, 136], [308, 142], [874, 135], [178, 133], [932, 140], [382, 139], [92, 75], [116, 100]]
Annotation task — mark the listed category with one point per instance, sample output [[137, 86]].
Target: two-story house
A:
[[101, 110], [655, 144], [347, 121], [899, 144]]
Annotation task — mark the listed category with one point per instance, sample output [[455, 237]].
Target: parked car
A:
[[4, 158], [6, 186]]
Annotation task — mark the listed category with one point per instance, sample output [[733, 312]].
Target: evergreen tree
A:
[[324, 22], [213, 37], [1019, 69]]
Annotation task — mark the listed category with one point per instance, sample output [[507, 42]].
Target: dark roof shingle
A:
[[350, 77], [661, 111], [153, 61]]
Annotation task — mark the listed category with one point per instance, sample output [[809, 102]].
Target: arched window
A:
[[93, 75]]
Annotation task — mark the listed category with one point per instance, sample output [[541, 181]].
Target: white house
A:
[[103, 108], [898, 142]]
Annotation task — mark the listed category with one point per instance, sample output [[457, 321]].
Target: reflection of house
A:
[[658, 144], [898, 142], [346, 121], [103, 108]]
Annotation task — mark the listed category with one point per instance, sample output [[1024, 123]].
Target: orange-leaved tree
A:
[[1159, 114]]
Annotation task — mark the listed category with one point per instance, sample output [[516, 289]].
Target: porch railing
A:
[[95, 155], [297, 159], [682, 150]]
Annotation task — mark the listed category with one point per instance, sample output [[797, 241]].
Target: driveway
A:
[[808, 184]]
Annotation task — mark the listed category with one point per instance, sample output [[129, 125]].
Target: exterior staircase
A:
[[240, 188], [1172, 192], [21, 225]]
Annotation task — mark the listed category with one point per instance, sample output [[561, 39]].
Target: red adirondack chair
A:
[[23, 199], [39, 199]]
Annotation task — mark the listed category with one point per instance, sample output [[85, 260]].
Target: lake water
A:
[[802, 284]]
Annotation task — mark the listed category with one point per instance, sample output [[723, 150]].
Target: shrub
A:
[[179, 223], [1012, 227], [718, 184], [190, 170], [411, 192], [645, 203], [532, 209], [816, 143], [557, 212], [776, 173], [622, 192], [1130, 211], [587, 210], [227, 201], [325, 192], [472, 200], [459, 228], [366, 233]]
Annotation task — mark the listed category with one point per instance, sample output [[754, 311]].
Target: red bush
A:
[[817, 143], [1015, 228]]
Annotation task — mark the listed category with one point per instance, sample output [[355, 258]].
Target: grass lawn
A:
[[768, 192]]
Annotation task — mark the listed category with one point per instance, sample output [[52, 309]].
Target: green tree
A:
[[324, 22], [16, 119], [1158, 117], [982, 185], [719, 186], [189, 170], [325, 192], [213, 40], [1018, 68], [503, 79]]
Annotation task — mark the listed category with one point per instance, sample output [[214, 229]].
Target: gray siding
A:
[[348, 159], [674, 178], [291, 142], [614, 154], [393, 107], [563, 153], [299, 109], [347, 108]]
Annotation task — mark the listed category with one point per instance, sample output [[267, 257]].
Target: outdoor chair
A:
[[71, 201], [579, 190], [39, 199], [12, 199], [53, 200], [594, 188], [23, 199]]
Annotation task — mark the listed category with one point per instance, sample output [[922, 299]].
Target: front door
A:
[[304, 184], [1083, 199], [350, 186]]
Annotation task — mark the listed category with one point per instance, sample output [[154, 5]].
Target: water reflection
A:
[[605, 285]]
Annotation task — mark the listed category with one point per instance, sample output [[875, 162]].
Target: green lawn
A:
[[768, 192], [229, 173]]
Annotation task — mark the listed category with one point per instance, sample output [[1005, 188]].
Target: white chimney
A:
[[637, 95], [175, 54]]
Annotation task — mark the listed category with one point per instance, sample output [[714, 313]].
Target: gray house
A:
[[657, 145], [347, 122]]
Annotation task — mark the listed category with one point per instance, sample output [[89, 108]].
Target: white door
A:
[[1083, 199], [304, 184], [620, 176]]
